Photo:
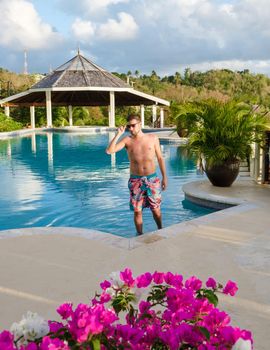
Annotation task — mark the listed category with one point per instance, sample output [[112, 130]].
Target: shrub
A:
[[8, 124], [175, 314]]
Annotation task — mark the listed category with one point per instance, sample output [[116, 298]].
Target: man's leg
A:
[[138, 220], [157, 217]]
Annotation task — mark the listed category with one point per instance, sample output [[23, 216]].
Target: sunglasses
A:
[[128, 126]]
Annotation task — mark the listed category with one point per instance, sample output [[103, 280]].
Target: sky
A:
[[144, 35]]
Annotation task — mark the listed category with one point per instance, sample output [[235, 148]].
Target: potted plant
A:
[[223, 136]]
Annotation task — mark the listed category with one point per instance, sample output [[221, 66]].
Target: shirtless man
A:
[[144, 185]]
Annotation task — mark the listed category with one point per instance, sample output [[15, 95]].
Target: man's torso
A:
[[141, 153]]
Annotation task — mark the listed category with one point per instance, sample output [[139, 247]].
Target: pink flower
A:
[[6, 341], [158, 277], [230, 288], [144, 306], [65, 310], [144, 280], [105, 297], [211, 283], [53, 344], [126, 277], [193, 283], [105, 284], [55, 326]]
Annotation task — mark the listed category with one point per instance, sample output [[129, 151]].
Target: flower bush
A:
[[152, 311]]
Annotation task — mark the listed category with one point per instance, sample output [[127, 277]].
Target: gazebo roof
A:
[[80, 72], [80, 82]]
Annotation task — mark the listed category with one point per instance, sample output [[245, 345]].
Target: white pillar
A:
[[70, 115], [33, 143], [161, 117], [142, 115], [154, 114], [32, 117], [49, 108], [50, 150], [7, 111], [112, 110]]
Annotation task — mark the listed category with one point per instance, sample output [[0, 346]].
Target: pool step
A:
[[244, 170]]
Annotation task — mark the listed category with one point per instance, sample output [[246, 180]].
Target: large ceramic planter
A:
[[223, 175]]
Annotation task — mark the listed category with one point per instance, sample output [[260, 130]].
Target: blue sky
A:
[[144, 35]]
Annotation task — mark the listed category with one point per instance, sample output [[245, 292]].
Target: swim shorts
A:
[[145, 192]]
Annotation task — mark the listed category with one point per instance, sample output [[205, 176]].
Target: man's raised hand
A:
[[121, 130]]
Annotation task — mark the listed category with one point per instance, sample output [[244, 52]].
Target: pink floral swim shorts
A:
[[145, 192]]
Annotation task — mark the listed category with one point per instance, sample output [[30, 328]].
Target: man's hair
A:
[[133, 116]]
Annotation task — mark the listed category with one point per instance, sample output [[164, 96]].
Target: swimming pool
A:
[[67, 179]]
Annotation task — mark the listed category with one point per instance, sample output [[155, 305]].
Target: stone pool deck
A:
[[42, 267]]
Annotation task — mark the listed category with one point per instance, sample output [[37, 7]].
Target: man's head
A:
[[133, 124]]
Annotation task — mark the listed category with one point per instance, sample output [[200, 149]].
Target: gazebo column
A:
[[112, 110], [49, 108], [7, 111], [154, 114], [70, 115], [32, 117], [161, 117], [142, 115]]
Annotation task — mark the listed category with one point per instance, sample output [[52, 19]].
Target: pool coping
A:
[[95, 130]]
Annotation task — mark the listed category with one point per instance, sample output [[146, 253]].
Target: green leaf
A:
[[96, 344], [205, 332]]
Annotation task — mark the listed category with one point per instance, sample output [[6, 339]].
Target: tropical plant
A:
[[224, 131], [185, 122], [8, 124]]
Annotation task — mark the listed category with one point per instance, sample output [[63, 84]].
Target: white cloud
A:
[[21, 27], [83, 30], [125, 29], [89, 7]]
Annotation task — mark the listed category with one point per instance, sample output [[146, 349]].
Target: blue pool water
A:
[[67, 179]]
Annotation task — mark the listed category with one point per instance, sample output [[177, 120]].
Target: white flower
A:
[[115, 280], [111, 292], [31, 327], [137, 293], [242, 344]]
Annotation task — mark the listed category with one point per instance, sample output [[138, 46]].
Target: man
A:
[[144, 185]]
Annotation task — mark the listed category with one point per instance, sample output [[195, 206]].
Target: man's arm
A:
[[114, 147], [161, 164]]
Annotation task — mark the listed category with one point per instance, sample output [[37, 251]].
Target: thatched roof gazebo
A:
[[80, 82]]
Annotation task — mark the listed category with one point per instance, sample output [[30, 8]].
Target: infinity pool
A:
[[67, 179]]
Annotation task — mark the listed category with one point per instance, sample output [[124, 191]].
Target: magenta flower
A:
[[126, 277], [230, 288], [193, 283], [144, 306], [211, 283], [55, 326], [173, 315], [105, 297], [144, 280], [65, 310], [105, 284], [158, 277], [53, 344], [6, 341]]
